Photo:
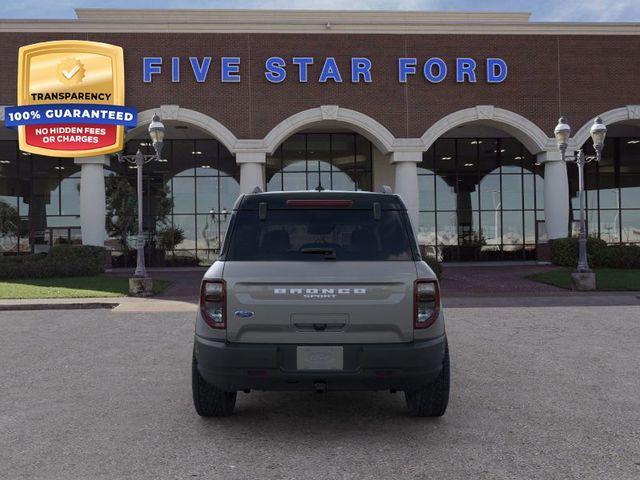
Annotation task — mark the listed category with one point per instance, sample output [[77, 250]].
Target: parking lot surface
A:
[[540, 392]]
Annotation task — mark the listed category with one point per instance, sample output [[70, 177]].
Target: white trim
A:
[[200, 120], [629, 112], [531, 136], [312, 21], [358, 122]]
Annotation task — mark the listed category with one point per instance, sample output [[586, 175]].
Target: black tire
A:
[[432, 399], [208, 400]]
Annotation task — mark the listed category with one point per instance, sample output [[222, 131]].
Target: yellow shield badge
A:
[[71, 99]]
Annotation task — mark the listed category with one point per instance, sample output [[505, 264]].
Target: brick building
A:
[[454, 111]]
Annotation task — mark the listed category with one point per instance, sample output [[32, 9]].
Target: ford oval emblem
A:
[[244, 314]]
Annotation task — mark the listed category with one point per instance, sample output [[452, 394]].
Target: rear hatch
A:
[[313, 302], [325, 268]]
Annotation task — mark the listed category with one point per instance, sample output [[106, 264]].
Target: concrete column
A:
[[406, 181], [251, 170], [93, 208], [556, 194]]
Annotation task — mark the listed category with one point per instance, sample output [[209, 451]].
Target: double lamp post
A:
[[583, 278], [141, 283]]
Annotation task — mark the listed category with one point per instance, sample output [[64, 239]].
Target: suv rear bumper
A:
[[243, 366]]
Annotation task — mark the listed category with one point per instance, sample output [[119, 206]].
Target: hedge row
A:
[[61, 261], [564, 252]]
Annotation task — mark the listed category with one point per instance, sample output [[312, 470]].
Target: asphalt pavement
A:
[[538, 392]]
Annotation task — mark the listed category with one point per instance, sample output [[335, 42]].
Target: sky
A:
[[542, 10]]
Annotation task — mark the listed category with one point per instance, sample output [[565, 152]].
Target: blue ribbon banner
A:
[[70, 113]]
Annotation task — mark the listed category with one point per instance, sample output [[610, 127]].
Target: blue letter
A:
[[200, 71], [303, 63], [275, 69], [406, 66], [151, 66], [330, 71], [175, 69], [465, 66], [498, 76], [360, 66], [428, 70], [230, 69]]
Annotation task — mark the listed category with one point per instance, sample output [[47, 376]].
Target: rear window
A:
[[319, 235]]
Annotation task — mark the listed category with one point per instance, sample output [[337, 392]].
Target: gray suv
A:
[[320, 291]]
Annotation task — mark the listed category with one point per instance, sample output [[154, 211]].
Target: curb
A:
[[58, 306]]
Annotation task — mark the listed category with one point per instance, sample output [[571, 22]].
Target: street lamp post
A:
[[583, 278], [156, 133]]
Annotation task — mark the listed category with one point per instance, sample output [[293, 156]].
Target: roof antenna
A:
[[386, 189]]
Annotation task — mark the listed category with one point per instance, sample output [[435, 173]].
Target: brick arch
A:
[[374, 131], [192, 117], [622, 114], [527, 132]]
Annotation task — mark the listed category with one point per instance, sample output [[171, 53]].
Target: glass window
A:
[[609, 225], [427, 228], [426, 166], [512, 192], [511, 155], [298, 235], [630, 190], [426, 188], [631, 226], [445, 156], [294, 154], [319, 152], [207, 195], [188, 224], [490, 197], [183, 157], [491, 224], [70, 196], [445, 195], [8, 159], [512, 228], [183, 190], [488, 156], [467, 154], [629, 155], [447, 228]]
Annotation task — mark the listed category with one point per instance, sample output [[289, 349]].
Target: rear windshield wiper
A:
[[329, 253]]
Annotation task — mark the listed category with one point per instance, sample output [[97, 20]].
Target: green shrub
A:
[[61, 261], [618, 256], [564, 252], [181, 261]]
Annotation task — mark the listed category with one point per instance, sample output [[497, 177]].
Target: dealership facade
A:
[[454, 111]]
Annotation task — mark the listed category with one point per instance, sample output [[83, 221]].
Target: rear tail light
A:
[[213, 303], [426, 303]]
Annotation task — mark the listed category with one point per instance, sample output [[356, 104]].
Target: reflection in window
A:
[[330, 161], [479, 199], [612, 190]]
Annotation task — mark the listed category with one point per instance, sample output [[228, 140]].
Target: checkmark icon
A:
[[71, 73]]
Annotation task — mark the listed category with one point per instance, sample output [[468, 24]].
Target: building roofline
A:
[[310, 21]]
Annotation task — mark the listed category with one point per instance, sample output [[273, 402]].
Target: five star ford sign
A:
[[71, 99]]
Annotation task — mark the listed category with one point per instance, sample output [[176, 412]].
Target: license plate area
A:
[[319, 358]]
